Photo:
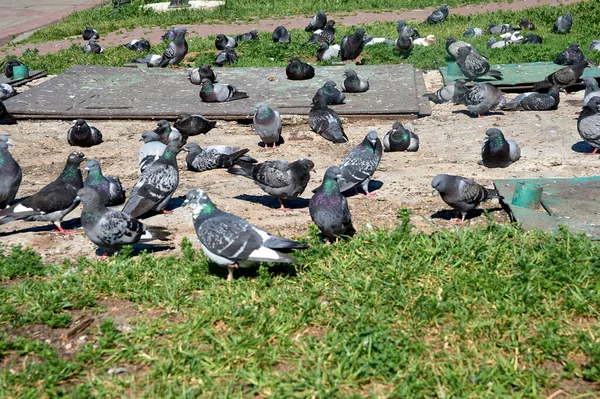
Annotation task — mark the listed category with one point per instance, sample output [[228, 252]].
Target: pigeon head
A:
[[321, 13], [206, 82], [444, 6], [88, 196], [594, 104], [401, 25], [494, 135], [441, 183], [350, 73], [360, 32], [397, 126], [371, 138], [330, 84], [79, 123], [330, 23], [147, 137], [199, 202], [205, 67], [4, 139], [91, 165], [588, 81], [574, 46], [4, 145], [323, 46], [163, 124], [469, 32], [305, 164], [319, 99], [76, 158], [193, 147], [333, 173]]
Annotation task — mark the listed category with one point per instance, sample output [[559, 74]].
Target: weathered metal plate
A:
[[33, 75], [132, 93], [570, 202]]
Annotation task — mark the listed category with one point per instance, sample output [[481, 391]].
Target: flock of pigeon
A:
[[231, 241]]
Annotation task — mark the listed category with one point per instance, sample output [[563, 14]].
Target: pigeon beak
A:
[[86, 169], [77, 198], [433, 191], [186, 202]]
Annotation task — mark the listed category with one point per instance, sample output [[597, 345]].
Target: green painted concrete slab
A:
[[572, 202]]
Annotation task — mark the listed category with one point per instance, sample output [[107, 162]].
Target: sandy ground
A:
[[450, 143]]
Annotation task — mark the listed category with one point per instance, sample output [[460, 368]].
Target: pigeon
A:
[[360, 163], [229, 56], [404, 44], [83, 135], [325, 121], [405, 30], [90, 33], [438, 16], [219, 92], [461, 193], [369, 40], [570, 56], [193, 125], [441, 96], [5, 117], [534, 101], [196, 75], [6, 91], [318, 21], [564, 77], [498, 152], [175, 51], [11, 174], [452, 46], [281, 179], [401, 138], [213, 157], [495, 43], [156, 184], [281, 35], [563, 23], [331, 94], [151, 60], [92, 47], [168, 134], [472, 32], [588, 123], [327, 52], [171, 34], [329, 208], [138, 45], [352, 45], [533, 39], [53, 202], [474, 65], [222, 42], [109, 228], [8, 67], [354, 83], [252, 35], [298, 70], [525, 24], [325, 35], [595, 45], [267, 124], [499, 29], [479, 99], [151, 150], [232, 242], [591, 89], [427, 41], [108, 188]]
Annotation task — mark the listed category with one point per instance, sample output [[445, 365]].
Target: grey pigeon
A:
[[219, 92], [352, 45], [175, 51], [9, 65], [443, 95], [498, 29], [5, 117], [524, 23], [479, 99], [325, 121], [281, 35], [298, 70], [329, 208], [53, 202], [213, 157], [331, 94], [404, 45], [563, 23], [595, 45], [452, 46], [138, 45], [281, 179], [90, 33], [497, 152], [570, 56], [6, 91], [532, 38], [461, 193], [230, 241], [192, 125], [534, 101], [108, 188], [564, 77], [252, 35], [472, 32], [401, 138], [92, 47], [591, 89], [406, 30], [318, 21], [168, 134], [11, 174], [151, 60], [354, 83], [588, 123], [495, 43], [171, 34], [151, 150], [196, 75], [228, 56], [83, 135], [267, 124], [325, 35], [327, 52], [438, 16], [370, 40], [222, 42], [109, 228], [156, 184], [474, 65]]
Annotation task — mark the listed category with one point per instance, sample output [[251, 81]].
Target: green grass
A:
[[491, 311]]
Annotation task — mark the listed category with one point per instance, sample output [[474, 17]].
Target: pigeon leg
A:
[[61, 230], [164, 211], [593, 152], [283, 208], [230, 269]]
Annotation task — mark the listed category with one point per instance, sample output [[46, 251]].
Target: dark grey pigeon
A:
[[281, 179], [267, 124], [227, 57], [327, 52], [497, 152], [570, 56], [175, 51], [452, 46], [90, 33], [354, 83], [11, 174], [156, 185], [171, 34], [325, 35], [92, 47], [213, 157], [533, 39], [401, 138], [524, 23], [472, 32], [474, 65], [404, 45], [461, 193], [352, 45], [108, 188], [564, 77], [443, 95], [9, 65], [588, 123], [595, 46], [318, 21], [298, 70], [219, 92], [230, 241], [196, 75], [325, 121], [563, 23], [83, 135], [192, 125], [438, 16], [138, 45], [329, 208], [222, 42], [168, 134], [6, 91], [405, 30], [591, 89], [479, 99], [53, 202], [109, 228], [5, 117], [252, 35], [151, 150], [281, 35], [534, 101], [331, 94]]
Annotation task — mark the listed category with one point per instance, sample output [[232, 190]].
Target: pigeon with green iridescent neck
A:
[[11, 174], [401, 138], [331, 94], [352, 45], [497, 152], [108, 188], [298, 70], [267, 123]]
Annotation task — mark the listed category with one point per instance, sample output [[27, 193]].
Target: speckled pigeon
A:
[[192, 125], [226, 57], [11, 174], [92, 47], [461, 193], [219, 92], [534, 101], [281, 35], [90, 33], [401, 138], [479, 99], [360, 163], [564, 77], [318, 21], [354, 83], [591, 89], [138, 45], [406, 30], [83, 135], [563, 23], [213, 157], [438, 16], [497, 152], [252, 35], [222, 42], [171, 34], [108, 188], [325, 35], [588, 123], [298, 70], [151, 150], [331, 94], [473, 65], [267, 124], [441, 96], [325, 121], [6, 91], [352, 45]]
